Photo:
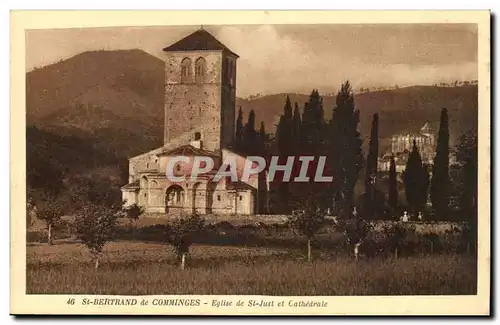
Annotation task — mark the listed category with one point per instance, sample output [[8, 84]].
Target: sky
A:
[[295, 58]]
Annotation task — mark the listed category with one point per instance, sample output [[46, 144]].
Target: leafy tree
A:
[[393, 186], [98, 205], [308, 220], [132, 212], [440, 184], [416, 180], [50, 209], [397, 236], [355, 229], [96, 226], [344, 153], [238, 139], [182, 233]]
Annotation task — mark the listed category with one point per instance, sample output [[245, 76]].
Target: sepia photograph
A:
[[253, 168]]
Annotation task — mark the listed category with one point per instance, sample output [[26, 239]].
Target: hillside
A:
[[91, 112], [113, 97]]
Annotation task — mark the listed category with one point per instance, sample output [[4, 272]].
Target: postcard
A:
[[250, 162]]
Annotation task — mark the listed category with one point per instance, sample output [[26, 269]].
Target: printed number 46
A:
[[71, 301]]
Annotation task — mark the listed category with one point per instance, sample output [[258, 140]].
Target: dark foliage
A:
[[440, 183], [393, 186], [344, 150], [183, 232], [416, 181]]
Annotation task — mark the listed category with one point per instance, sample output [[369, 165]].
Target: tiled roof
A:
[[199, 40], [188, 150], [131, 186], [239, 186]]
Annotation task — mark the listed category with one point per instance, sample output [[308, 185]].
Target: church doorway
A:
[[174, 198]]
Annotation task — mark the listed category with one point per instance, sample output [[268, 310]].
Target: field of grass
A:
[[135, 268]]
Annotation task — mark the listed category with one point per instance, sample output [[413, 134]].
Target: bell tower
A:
[[200, 92]]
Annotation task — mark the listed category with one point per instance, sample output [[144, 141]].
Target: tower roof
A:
[[188, 150], [199, 40], [426, 128]]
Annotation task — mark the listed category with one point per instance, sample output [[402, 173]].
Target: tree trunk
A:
[[96, 261], [134, 229], [396, 253], [49, 235], [183, 261], [432, 247], [309, 249]]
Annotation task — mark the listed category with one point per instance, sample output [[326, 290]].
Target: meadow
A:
[[139, 268]]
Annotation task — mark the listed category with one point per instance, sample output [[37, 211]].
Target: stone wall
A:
[[192, 107], [420, 227]]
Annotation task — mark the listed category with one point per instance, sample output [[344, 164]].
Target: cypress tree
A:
[[313, 143], [285, 145], [369, 197], [313, 131], [440, 184], [262, 183], [393, 185], [238, 139], [416, 181], [285, 138], [263, 139], [297, 125], [344, 150], [371, 159], [250, 135]]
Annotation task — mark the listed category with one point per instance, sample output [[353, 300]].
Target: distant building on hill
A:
[[402, 144]]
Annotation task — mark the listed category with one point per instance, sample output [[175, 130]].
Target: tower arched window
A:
[[186, 73], [200, 70]]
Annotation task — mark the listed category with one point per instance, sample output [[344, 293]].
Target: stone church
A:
[[200, 95], [402, 144]]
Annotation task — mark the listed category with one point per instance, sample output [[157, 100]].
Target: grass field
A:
[[135, 268]]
